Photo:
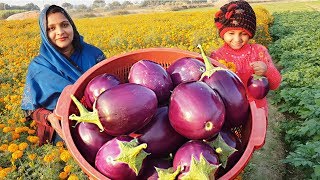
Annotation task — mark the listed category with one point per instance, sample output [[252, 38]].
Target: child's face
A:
[[236, 38]]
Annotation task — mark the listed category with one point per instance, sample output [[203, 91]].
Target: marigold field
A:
[[20, 156]]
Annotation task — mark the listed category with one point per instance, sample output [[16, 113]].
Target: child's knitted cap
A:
[[236, 15]]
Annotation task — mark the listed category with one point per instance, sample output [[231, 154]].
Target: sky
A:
[[40, 3]]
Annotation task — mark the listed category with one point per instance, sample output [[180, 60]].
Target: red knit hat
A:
[[236, 15]]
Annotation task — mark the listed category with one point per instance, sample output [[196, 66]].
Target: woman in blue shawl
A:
[[63, 58]]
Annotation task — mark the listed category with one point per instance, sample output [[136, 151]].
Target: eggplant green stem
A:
[[133, 154], [85, 115], [257, 77], [210, 69]]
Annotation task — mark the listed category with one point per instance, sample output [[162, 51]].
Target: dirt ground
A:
[[265, 163]]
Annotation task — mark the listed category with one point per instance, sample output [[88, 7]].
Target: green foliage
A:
[[296, 50], [6, 13]]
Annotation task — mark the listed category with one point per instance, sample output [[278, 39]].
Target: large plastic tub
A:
[[252, 134]]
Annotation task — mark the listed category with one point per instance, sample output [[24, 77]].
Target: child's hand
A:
[[259, 68]]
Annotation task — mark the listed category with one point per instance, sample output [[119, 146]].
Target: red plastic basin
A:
[[252, 134]]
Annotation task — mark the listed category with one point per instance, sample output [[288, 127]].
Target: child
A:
[[236, 22]]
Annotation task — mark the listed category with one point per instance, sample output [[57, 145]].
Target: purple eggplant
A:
[[196, 111], [185, 70], [197, 160], [231, 90], [160, 136], [98, 85], [258, 86], [152, 75], [89, 139], [120, 110], [121, 158], [148, 170]]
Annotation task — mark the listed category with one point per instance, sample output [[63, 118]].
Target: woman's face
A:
[[60, 31], [236, 38]]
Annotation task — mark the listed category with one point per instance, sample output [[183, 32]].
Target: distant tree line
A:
[[103, 5]]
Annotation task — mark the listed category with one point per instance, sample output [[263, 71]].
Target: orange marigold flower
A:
[[59, 144], [32, 156], [67, 168], [4, 147], [3, 174], [23, 120], [17, 154], [6, 129], [13, 147], [2, 126], [73, 177], [33, 139], [18, 130], [48, 158], [25, 128], [15, 136], [65, 156], [31, 131], [23, 146], [63, 175], [11, 121]]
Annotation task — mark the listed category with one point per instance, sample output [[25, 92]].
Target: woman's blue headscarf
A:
[[51, 71]]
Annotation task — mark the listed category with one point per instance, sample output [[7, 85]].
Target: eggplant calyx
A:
[[201, 169], [132, 153], [85, 115], [210, 69], [222, 149], [257, 77], [168, 174]]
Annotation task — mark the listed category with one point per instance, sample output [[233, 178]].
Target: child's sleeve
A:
[[273, 75]]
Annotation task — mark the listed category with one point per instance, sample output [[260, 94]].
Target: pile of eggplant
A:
[[173, 123]]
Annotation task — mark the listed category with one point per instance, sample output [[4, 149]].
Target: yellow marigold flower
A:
[[9, 107], [65, 156], [32, 156], [17, 154], [31, 131], [13, 147], [2, 126], [15, 136], [63, 175], [33, 139], [73, 177], [6, 129], [59, 144], [4, 147], [67, 168], [48, 158], [23, 146]]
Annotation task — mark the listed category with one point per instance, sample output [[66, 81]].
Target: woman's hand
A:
[[55, 123], [259, 68]]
